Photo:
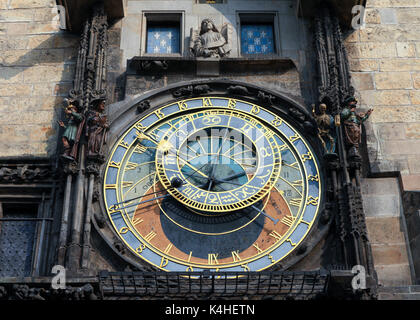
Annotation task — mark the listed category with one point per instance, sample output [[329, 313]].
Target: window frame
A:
[[41, 236], [163, 17], [259, 17]]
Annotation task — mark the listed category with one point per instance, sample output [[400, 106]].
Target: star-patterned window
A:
[[163, 40], [257, 39]]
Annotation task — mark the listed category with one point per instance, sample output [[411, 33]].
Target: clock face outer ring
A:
[[310, 240]]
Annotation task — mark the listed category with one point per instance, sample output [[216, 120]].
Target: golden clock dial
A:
[[212, 184]]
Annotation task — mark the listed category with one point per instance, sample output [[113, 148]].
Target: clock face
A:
[[213, 184]]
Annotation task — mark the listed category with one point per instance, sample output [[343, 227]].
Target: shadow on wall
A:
[[35, 81]]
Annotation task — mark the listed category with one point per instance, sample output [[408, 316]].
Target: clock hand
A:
[[175, 183], [141, 202], [235, 176], [211, 175], [114, 207], [259, 211]]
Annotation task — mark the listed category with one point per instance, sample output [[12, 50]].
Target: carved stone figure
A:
[[353, 125], [325, 124], [72, 132], [97, 126], [210, 43]]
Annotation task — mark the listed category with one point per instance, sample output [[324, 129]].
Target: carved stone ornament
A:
[[143, 106], [191, 90], [23, 174], [208, 42], [25, 292]]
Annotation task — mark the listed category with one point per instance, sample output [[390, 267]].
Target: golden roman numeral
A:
[[235, 256], [282, 147], [136, 221], [257, 247], [288, 220], [131, 166], [124, 144], [149, 237], [168, 248], [110, 186], [297, 183], [126, 184], [212, 258], [140, 149], [295, 202], [275, 235]]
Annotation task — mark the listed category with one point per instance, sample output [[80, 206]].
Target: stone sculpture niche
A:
[[208, 42]]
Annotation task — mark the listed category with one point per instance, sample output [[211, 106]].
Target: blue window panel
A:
[[16, 246], [163, 40], [257, 39]]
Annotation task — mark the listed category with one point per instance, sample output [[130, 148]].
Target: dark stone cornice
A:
[[341, 8], [77, 11]]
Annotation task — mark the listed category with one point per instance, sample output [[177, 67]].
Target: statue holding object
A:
[[353, 125], [210, 43], [73, 129], [325, 124], [97, 127]]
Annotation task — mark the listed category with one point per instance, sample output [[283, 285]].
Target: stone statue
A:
[[73, 129], [210, 43], [325, 124], [353, 125], [97, 127]]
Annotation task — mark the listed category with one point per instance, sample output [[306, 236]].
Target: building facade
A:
[[97, 95]]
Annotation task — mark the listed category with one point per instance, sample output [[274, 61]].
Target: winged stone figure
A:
[[208, 42]]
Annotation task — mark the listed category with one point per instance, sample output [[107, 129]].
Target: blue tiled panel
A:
[[16, 246], [257, 39], [162, 40]]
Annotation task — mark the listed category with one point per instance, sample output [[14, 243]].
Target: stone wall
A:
[[387, 231], [37, 63], [385, 63]]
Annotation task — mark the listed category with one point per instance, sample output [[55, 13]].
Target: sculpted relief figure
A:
[[209, 42], [97, 126], [353, 125]]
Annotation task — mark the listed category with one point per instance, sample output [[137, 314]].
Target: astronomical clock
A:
[[212, 183]]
